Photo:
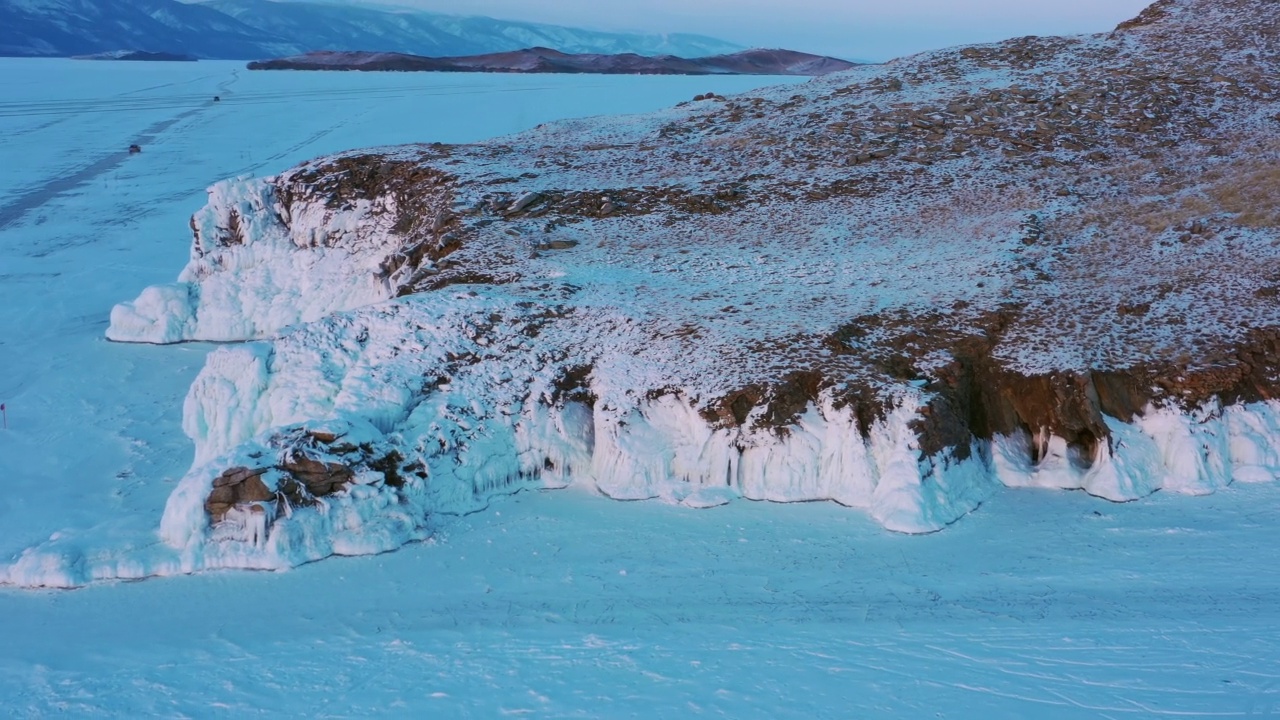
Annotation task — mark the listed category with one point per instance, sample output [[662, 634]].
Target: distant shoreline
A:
[[545, 60], [138, 56]]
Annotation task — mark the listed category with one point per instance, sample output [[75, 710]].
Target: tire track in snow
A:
[[14, 210], [65, 108]]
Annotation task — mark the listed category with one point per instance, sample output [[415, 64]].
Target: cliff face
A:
[[1048, 261]]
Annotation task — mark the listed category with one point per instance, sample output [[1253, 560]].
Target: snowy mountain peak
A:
[[318, 26], [82, 27], [250, 29]]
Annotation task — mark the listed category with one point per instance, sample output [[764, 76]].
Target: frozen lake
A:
[[551, 604]]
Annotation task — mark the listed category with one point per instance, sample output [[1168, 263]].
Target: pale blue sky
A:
[[871, 29]]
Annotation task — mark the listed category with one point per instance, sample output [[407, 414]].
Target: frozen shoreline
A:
[[900, 311], [95, 446]]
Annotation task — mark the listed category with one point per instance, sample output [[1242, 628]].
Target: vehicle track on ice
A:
[[14, 210]]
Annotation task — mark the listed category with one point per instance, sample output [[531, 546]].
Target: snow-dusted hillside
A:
[[1047, 262], [80, 27], [253, 29], [319, 26]]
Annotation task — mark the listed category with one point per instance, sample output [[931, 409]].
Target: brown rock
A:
[[235, 476], [305, 466], [322, 436], [558, 245], [254, 490], [224, 494], [319, 478]]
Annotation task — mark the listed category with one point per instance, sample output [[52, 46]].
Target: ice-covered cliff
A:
[[277, 251], [1048, 262]]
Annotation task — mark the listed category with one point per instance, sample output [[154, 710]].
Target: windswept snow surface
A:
[[563, 605]]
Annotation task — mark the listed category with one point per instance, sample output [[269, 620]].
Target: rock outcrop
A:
[[238, 487], [1048, 261], [309, 466]]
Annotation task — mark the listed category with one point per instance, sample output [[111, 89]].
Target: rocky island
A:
[[1049, 262], [546, 60]]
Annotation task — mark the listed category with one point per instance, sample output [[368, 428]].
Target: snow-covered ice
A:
[[1046, 605]]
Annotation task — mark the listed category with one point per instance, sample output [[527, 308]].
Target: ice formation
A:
[[501, 428], [258, 265]]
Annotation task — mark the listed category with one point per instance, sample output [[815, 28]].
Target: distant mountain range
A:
[[319, 26], [251, 29], [137, 55], [546, 60], [84, 27]]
